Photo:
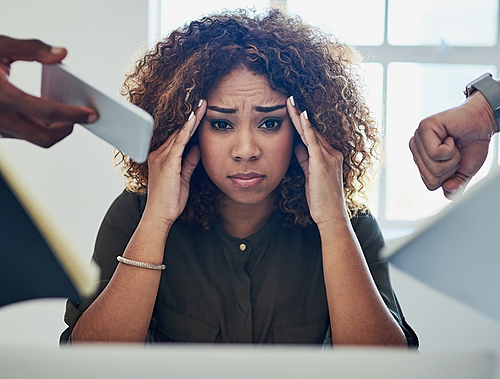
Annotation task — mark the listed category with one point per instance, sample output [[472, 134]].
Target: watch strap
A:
[[490, 89]]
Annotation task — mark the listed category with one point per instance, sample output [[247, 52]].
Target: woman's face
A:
[[246, 137]]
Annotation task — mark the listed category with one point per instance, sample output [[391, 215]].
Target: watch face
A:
[[469, 90], [471, 87]]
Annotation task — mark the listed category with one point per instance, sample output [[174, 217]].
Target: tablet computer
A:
[[121, 123]]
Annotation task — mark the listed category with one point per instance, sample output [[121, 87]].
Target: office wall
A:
[[76, 177]]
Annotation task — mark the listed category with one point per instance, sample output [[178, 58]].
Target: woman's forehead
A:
[[242, 84]]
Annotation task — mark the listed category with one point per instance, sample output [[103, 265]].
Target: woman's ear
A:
[[302, 156], [193, 141], [296, 138]]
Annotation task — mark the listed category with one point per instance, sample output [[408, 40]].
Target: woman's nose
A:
[[245, 147]]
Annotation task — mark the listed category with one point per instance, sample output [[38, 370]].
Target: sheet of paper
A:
[[121, 123], [458, 251]]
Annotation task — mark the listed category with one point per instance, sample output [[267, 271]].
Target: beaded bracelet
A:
[[140, 264]]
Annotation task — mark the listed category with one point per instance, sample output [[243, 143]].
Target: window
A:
[[430, 50], [419, 54], [175, 13]]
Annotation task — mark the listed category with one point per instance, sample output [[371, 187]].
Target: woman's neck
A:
[[243, 220]]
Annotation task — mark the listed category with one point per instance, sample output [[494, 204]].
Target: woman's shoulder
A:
[[126, 211], [127, 202], [364, 218], [369, 234]]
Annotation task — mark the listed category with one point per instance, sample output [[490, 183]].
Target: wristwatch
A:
[[490, 89]]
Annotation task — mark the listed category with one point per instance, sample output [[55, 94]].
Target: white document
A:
[[458, 251], [121, 123]]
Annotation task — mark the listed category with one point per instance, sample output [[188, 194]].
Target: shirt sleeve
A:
[[115, 232], [372, 243]]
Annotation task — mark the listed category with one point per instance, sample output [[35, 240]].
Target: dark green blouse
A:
[[267, 288]]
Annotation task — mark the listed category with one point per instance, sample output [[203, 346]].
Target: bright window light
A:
[[175, 13]]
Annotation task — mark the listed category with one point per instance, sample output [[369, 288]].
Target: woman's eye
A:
[[221, 125], [271, 124]]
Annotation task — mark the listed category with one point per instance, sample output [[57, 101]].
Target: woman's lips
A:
[[247, 180]]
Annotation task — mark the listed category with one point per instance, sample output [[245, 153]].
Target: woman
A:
[[242, 226]]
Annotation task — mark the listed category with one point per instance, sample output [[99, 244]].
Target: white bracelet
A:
[[140, 264]]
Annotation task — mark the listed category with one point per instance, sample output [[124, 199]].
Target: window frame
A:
[[387, 53]]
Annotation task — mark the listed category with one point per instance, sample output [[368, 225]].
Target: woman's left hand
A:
[[355, 306], [322, 166]]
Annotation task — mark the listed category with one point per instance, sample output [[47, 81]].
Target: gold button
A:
[[243, 247]]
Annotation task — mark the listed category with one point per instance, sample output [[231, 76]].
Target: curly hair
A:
[[297, 59]]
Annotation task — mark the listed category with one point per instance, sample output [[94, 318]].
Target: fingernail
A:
[[57, 50], [190, 116], [200, 103], [292, 100], [306, 115], [91, 118]]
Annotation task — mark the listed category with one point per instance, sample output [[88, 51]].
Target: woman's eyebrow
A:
[[222, 110], [257, 108], [270, 109]]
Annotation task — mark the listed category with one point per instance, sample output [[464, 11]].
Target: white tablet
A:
[[121, 123]]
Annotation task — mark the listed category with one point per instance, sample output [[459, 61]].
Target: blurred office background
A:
[[418, 56]]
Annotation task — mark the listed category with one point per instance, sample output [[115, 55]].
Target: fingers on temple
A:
[[198, 114], [194, 119], [316, 143], [294, 114], [180, 137], [301, 122]]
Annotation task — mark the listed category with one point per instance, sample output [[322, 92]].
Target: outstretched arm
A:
[[450, 147]]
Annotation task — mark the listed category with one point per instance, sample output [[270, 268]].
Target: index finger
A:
[[179, 138], [294, 114]]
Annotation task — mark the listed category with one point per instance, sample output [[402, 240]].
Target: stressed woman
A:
[[243, 225]]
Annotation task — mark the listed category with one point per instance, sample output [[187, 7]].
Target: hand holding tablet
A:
[[23, 116], [121, 123]]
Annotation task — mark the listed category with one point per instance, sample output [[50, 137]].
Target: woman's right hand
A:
[[169, 174]]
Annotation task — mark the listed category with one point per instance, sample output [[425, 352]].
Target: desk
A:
[[238, 361]]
